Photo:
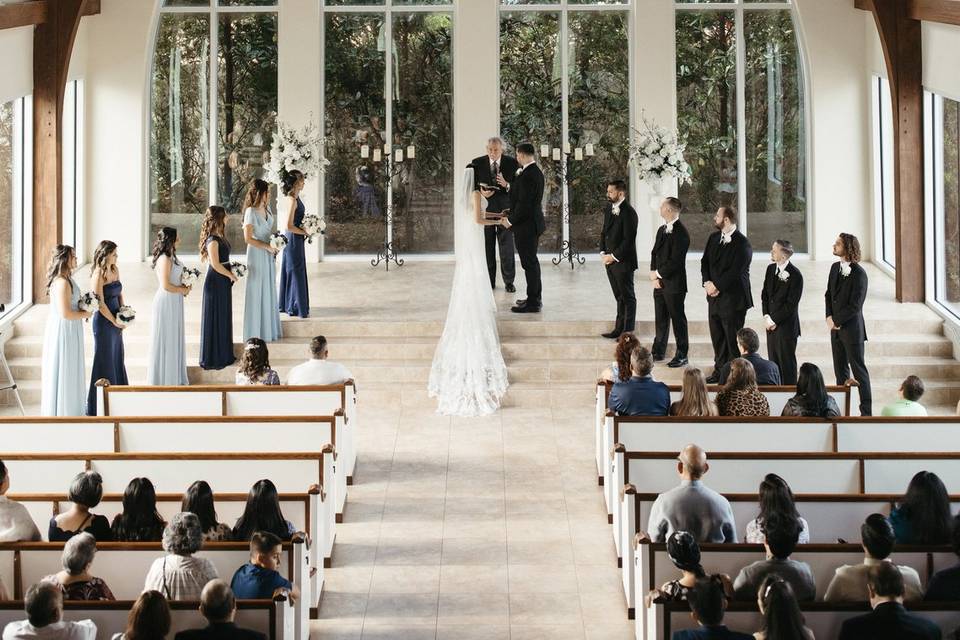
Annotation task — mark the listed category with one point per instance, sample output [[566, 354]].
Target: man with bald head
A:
[[692, 506], [219, 606]]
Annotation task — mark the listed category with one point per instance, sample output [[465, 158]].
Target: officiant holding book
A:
[[492, 175]]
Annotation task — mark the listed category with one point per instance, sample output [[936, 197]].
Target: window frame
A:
[[882, 175], [22, 228]]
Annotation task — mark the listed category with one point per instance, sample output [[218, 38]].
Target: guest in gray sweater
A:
[[692, 506], [781, 534]]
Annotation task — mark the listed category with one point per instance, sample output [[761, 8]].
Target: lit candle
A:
[[578, 154], [376, 155], [398, 156], [411, 152], [590, 150], [365, 151], [544, 150], [566, 148], [556, 153], [386, 149]]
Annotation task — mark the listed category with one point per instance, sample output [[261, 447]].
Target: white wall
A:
[[16, 74], [941, 51]]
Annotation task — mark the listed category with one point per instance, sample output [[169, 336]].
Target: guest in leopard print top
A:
[[740, 396]]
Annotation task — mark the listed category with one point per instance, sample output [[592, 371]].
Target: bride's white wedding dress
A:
[[468, 376]]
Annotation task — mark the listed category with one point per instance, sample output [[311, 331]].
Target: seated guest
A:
[[684, 552], [708, 602], [641, 395], [740, 396], [849, 584], [768, 373], [318, 370], [180, 575], [889, 620], [86, 490], [945, 584], [139, 521], [924, 515], [44, 606], [16, 525], [812, 399], [199, 500], [619, 369], [692, 507], [911, 390], [219, 606], [781, 534], [695, 401], [775, 498], [259, 578], [254, 367], [75, 580], [782, 619], [262, 513], [149, 618]]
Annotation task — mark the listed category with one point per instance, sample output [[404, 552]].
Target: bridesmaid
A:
[[260, 316], [62, 371], [294, 296], [107, 336], [168, 349], [216, 319]]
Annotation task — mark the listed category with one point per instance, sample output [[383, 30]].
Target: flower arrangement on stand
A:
[[657, 154], [300, 149]]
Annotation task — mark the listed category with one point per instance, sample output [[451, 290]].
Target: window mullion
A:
[[212, 162], [741, 121]]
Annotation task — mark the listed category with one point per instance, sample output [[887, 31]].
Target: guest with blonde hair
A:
[[696, 400]]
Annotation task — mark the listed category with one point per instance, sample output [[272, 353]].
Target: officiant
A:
[[492, 175]]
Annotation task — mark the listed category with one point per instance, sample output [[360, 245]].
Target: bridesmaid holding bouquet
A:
[[107, 331], [261, 319], [294, 294], [216, 319], [168, 349]]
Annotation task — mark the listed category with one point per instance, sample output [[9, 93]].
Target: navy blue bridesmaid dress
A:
[[216, 318], [294, 297], [107, 347]]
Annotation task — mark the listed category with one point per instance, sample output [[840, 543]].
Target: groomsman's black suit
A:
[[500, 200], [619, 239], [527, 223], [728, 267], [781, 301], [844, 300], [669, 259]]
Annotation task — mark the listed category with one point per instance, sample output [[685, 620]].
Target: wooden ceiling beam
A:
[[23, 14], [942, 11], [90, 8]]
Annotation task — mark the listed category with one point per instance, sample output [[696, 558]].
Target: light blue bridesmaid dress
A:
[[261, 319], [62, 377], [168, 349]]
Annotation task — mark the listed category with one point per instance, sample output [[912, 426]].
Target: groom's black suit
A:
[[527, 223]]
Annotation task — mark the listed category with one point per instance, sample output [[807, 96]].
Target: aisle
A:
[[488, 528]]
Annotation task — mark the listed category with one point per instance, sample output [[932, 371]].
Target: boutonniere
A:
[[844, 270], [668, 229], [519, 171], [784, 275]]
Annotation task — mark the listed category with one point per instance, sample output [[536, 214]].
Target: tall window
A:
[[15, 177], [388, 90], [883, 186], [72, 219], [943, 149], [565, 85], [213, 109], [741, 107]]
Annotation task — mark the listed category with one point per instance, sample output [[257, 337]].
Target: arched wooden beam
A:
[[942, 11]]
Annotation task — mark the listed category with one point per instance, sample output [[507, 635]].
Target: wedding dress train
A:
[[468, 376]]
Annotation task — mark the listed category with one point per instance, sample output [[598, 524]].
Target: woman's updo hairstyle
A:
[[255, 193], [290, 180], [165, 244]]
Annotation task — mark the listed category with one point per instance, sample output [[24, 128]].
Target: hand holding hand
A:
[[505, 221]]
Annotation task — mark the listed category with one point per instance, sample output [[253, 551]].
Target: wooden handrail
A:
[[215, 388], [62, 420], [161, 497], [807, 497]]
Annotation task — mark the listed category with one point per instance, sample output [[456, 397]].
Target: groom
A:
[[526, 221]]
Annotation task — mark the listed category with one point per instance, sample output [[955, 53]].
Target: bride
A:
[[468, 376]]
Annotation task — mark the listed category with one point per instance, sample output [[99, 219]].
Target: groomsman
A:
[[497, 171], [782, 290], [618, 251], [725, 268], [846, 293], [668, 272]]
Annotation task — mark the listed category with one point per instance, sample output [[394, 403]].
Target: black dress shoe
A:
[[509, 288], [520, 302], [613, 335], [713, 379], [677, 362], [659, 357], [526, 308]]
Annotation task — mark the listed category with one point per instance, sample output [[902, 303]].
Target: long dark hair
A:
[[776, 499], [782, 619], [255, 361], [290, 180], [811, 388], [139, 521], [262, 513], [104, 250], [927, 507], [626, 343], [164, 245], [149, 618], [255, 193], [214, 224], [59, 261], [198, 499]]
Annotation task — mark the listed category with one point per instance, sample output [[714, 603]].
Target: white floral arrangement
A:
[[301, 149], [278, 240], [125, 315], [189, 277], [657, 154], [89, 302], [238, 269], [312, 225]]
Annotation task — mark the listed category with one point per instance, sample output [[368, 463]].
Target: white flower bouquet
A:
[[312, 225], [189, 277], [301, 149], [238, 269], [278, 240], [125, 315], [89, 302], [657, 154]]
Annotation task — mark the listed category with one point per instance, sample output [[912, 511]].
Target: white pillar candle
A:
[[556, 153], [566, 147], [578, 154], [411, 152], [544, 150], [376, 155], [386, 149], [365, 151], [398, 156], [590, 150]]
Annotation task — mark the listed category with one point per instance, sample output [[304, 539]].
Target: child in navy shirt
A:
[[259, 579]]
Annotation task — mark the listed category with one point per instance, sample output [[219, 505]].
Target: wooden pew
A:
[[240, 400], [124, 566], [273, 618]]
